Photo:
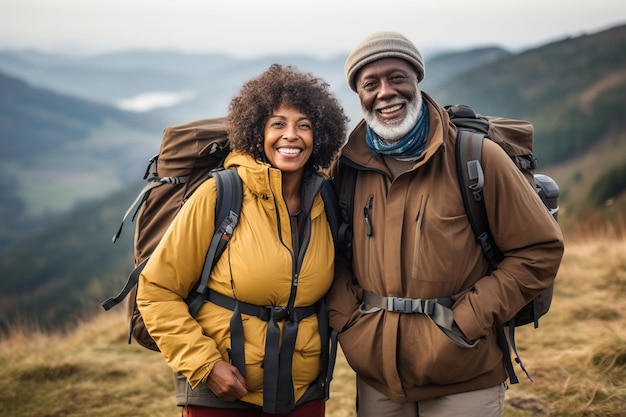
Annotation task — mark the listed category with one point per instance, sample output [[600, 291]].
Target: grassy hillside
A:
[[580, 176], [577, 356], [68, 268], [574, 93]]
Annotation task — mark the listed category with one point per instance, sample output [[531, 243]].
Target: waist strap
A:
[[437, 309], [406, 305], [278, 393]]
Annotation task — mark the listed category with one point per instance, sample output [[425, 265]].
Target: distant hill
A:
[[572, 90], [58, 150], [211, 79], [36, 121], [442, 67]]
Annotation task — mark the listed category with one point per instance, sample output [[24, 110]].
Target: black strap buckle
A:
[[278, 313]]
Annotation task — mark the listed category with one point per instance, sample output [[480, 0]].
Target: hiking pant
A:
[[487, 402]]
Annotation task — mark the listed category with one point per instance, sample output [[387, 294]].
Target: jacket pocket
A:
[[418, 239], [429, 357], [362, 348], [440, 245]]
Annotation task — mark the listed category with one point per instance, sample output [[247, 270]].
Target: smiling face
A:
[[288, 139], [390, 97]]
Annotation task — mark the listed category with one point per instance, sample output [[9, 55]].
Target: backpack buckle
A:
[[400, 305]]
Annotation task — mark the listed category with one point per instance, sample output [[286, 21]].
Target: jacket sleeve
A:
[[527, 235], [168, 278], [343, 298]]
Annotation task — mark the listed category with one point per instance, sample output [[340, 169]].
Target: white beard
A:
[[391, 132]]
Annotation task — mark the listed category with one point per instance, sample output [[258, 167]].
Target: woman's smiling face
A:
[[288, 139]]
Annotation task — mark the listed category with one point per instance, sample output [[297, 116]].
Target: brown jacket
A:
[[422, 246]]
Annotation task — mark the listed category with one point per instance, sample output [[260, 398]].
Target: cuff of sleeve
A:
[[466, 321]]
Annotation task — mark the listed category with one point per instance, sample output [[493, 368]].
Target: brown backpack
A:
[[516, 138], [189, 154]]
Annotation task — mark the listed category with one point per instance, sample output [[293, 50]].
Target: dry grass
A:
[[577, 356]]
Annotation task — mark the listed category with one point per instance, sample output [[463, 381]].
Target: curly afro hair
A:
[[278, 85]]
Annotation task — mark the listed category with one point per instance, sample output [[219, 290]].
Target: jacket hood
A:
[[265, 181]]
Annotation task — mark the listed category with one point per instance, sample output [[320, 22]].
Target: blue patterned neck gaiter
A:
[[410, 146]]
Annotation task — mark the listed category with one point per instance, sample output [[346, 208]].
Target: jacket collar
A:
[[357, 151], [266, 182]]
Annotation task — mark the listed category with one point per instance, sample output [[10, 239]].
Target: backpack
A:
[[516, 138], [190, 153]]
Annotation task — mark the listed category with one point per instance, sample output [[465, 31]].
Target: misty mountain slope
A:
[[207, 81], [69, 147], [35, 121], [103, 79], [446, 66], [573, 91], [69, 267]]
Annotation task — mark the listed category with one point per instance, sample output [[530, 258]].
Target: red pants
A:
[[315, 408]]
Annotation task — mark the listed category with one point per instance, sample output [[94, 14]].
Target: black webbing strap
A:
[[504, 347], [518, 360], [278, 394], [470, 174], [265, 313], [331, 206], [469, 147], [328, 336], [347, 176], [227, 210], [132, 280]]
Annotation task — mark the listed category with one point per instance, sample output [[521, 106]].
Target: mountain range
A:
[[76, 133]]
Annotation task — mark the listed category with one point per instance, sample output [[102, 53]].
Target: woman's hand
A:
[[226, 382]]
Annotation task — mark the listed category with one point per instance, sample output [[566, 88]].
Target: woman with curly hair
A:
[[257, 345]]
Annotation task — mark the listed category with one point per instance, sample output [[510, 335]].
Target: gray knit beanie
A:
[[380, 45]]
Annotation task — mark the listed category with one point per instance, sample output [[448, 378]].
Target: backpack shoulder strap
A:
[[227, 210], [471, 180], [331, 205], [469, 146], [346, 176]]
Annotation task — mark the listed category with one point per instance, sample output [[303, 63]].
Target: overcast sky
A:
[[322, 28]]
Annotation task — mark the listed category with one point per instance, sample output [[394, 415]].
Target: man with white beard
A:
[[413, 253]]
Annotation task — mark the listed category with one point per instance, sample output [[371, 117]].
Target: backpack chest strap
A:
[[265, 313]]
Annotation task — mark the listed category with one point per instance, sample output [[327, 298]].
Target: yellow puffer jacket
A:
[[257, 267]]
